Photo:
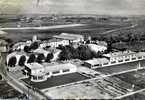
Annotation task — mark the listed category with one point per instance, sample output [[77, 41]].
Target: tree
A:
[[27, 49], [31, 59], [12, 61], [40, 58], [34, 45], [22, 61], [85, 53], [49, 57]]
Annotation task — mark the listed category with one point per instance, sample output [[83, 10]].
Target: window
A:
[[139, 57], [48, 73], [133, 58], [40, 77], [120, 60], [126, 59], [96, 65], [34, 77], [66, 70], [105, 64], [113, 62], [56, 72]]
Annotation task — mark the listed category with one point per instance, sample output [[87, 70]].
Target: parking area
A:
[[57, 80]]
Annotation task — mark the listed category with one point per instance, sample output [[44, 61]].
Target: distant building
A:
[[20, 45], [40, 72], [74, 38], [54, 43], [97, 48]]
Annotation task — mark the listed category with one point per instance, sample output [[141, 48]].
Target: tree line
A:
[[32, 58]]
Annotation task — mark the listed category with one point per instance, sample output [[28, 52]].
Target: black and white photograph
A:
[[72, 49]]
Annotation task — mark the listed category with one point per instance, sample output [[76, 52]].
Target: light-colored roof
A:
[[39, 50], [97, 61], [141, 54], [68, 36], [118, 54], [57, 67], [34, 66], [95, 47]]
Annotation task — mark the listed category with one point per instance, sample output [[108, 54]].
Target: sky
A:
[[100, 7]]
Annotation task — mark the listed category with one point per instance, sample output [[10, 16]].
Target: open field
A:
[[57, 80], [6, 91]]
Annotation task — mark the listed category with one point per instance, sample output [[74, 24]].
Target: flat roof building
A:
[[97, 62], [40, 72]]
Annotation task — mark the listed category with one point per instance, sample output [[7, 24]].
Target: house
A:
[[40, 72]]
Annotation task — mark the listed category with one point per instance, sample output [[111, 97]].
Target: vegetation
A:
[[40, 58], [49, 57], [12, 61], [83, 52], [31, 59], [22, 61], [34, 45]]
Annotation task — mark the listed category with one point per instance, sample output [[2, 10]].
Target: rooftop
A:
[[34, 66], [117, 54], [97, 61], [55, 67]]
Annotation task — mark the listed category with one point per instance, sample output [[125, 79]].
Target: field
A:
[[6, 91]]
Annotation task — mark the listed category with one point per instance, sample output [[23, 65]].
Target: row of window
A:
[[56, 72], [127, 59]]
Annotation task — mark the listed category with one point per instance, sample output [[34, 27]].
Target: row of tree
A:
[[33, 46], [83, 52], [32, 58]]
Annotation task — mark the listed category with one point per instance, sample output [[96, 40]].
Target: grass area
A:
[[7, 92]]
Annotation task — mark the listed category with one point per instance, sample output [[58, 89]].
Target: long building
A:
[[115, 58], [40, 72]]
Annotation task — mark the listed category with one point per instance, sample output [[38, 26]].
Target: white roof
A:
[[41, 51], [95, 47], [118, 54], [57, 67], [34, 66], [97, 61], [141, 54]]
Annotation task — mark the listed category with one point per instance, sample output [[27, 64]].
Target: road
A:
[[119, 29], [43, 27]]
